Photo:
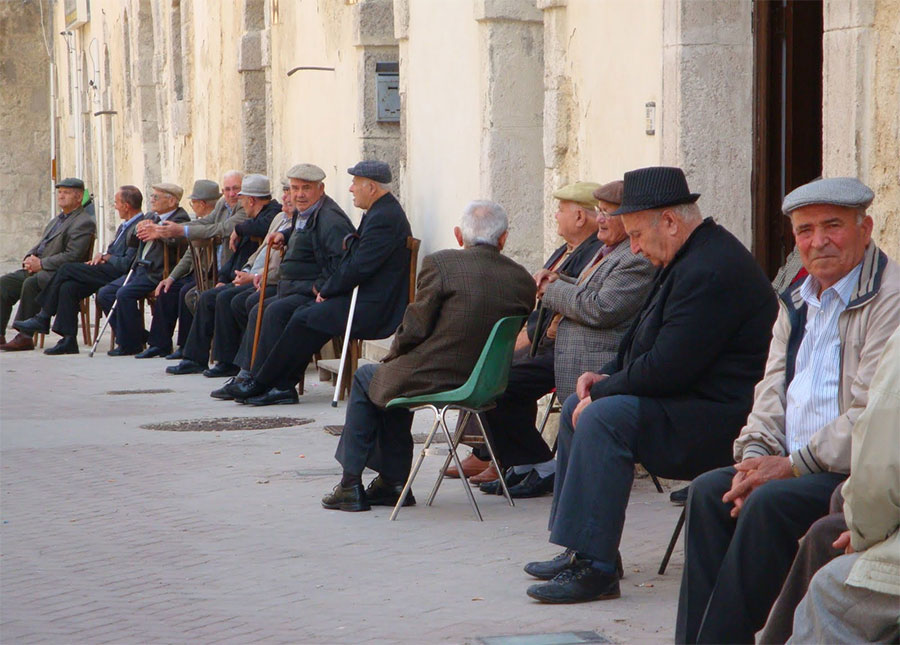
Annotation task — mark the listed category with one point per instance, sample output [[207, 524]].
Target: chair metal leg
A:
[[462, 477], [659, 488], [452, 449], [415, 470], [678, 526], [494, 461]]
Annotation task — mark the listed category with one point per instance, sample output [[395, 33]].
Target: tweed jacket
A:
[[217, 224], [596, 313], [871, 316], [460, 295], [68, 243]]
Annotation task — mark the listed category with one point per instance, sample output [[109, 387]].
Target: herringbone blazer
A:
[[460, 295], [596, 314], [68, 243]]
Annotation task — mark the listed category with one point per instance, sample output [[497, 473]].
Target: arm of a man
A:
[[336, 229], [123, 262], [77, 245], [420, 316], [380, 239], [184, 267]]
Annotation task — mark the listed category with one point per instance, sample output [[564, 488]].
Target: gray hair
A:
[[483, 222], [232, 173], [688, 213]]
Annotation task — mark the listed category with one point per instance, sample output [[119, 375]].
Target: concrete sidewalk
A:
[[115, 533]]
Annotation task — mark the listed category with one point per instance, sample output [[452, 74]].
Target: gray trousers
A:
[[835, 612], [22, 287]]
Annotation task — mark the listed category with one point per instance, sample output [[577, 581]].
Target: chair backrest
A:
[[172, 254], [491, 373], [205, 264], [89, 251], [413, 244]]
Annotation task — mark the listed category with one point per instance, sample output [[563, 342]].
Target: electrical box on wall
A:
[[387, 92], [78, 12]]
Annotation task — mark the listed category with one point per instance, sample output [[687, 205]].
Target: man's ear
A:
[[457, 231], [502, 241]]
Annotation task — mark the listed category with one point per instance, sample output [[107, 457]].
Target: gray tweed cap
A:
[[839, 191], [306, 172]]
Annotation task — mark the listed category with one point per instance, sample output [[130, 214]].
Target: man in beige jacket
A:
[[743, 522], [856, 598]]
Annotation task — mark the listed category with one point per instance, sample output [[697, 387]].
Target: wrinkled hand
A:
[[843, 542], [241, 278], [170, 230], [319, 298], [582, 404], [147, 231], [277, 239], [32, 264], [756, 471], [164, 286], [233, 240], [99, 258], [542, 278], [586, 381], [257, 281]]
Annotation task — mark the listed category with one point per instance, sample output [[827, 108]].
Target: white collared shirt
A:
[[812, 396]]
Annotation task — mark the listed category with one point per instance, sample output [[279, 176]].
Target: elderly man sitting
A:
[[676, 395], [795, 447], [460, 296]]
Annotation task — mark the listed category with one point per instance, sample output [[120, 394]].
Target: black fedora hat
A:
[[654, 187]]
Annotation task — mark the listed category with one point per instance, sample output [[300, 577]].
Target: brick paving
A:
[[114, 533]]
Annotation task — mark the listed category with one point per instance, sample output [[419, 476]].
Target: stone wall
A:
[[26, 195]]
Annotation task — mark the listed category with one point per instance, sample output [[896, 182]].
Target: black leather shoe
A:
[[224, 393], [381, 493], [37, 324], [151, 352], [186, 366], [494, 488], [533, 486], [122, 351], [177, 355], [549, 569], [679, 497], [352, 498], [246, 388], [274, 396], [579, 583], [66, 345], [220, 370]]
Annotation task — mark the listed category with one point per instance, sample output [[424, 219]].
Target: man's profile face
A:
[[647, 236], [120, 205], [830, 240], [287, 202], [201, 207], [362, 190], [68, 199], [610, 230], [305, 193], [567, 220], [162, 202], [231, 188], [247, 203]]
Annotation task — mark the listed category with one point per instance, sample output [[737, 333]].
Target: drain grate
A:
[[121, 392], [227, 424], [560, 638]]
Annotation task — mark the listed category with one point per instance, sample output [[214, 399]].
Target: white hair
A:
[[232, 173], [688, 212], [483, 222]]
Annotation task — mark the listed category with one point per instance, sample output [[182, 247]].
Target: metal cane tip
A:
[[334, 404]]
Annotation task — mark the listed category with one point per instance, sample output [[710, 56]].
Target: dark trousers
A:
[[287, 358], [734, 568], [373, 437], [232, 311], [127, 321], [22, 287], [276, 314], [73, 282], [511, 425], [594, 473], [199, 339], [169, 309]]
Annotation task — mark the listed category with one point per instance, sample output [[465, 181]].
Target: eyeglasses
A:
[[601, 214]]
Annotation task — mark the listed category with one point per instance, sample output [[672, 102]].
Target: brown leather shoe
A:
[[20, 343], [472, 465], [489, 474]]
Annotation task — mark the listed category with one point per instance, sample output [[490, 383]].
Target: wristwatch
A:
[[794, 468]]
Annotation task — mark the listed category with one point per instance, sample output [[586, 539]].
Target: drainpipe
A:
[[53, 177], [99, 192]]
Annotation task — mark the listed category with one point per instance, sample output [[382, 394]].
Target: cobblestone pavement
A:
[[115, 533]]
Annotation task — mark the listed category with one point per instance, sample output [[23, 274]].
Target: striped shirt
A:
[[812, 396]]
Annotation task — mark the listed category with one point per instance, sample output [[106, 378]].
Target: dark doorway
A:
[[787, 134]]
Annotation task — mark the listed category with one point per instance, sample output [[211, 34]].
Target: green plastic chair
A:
[[486, 382]]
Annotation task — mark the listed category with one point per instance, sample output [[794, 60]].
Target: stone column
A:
[[253, 64]]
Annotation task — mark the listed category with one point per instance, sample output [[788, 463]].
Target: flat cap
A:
[[375, 170], [255, 186], [306, 172], [174, 190], [581, 192], [206, 190], [611, 192], [71, 182], [839, 191]]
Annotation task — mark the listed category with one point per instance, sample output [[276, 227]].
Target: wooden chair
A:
[[205, 264], [354, 352], [84, 306]]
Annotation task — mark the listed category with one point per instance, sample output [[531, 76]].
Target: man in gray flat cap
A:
[[67, 238], [743, 522]]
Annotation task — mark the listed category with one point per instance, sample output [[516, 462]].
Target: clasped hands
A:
[[542, 278], [583, 392], [32, 264], [147, 230], [753, 473]]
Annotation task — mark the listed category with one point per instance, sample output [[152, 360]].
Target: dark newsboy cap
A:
[[375, 170], [654, 187], [611, 192], [71, 182]]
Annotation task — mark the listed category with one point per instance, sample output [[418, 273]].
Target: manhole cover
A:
[[560, 638], [120, 392], [226, 424]]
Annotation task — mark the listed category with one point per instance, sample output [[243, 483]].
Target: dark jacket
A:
[[695, 352], [257, 227], [121, 251], [154, 260], [68, 242], [378, 262], [460, 295], [315, 251]]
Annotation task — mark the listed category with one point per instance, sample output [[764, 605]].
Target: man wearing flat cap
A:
[[744, 521], [376, 260], [677, 392], [152, 254], [67, 238]]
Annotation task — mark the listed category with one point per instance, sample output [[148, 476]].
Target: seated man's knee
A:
[[709, 487]]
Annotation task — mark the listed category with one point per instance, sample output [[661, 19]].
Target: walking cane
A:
[[347, 341], [262, 300], [115, 302]]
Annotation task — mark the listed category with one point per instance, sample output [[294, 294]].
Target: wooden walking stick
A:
[[262, 300]]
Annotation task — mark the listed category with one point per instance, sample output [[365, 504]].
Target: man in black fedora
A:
[[676, 395]]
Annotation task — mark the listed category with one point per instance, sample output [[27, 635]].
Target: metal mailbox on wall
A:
[[387, 93]]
